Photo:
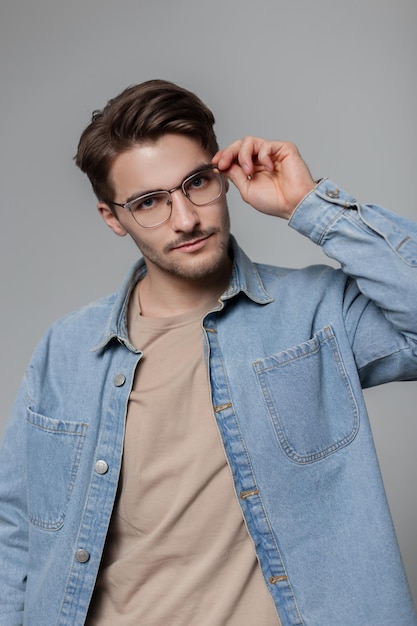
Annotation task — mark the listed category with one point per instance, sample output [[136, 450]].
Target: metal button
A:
[[82, 556], [333, 193], [277, 579], [247, 494], [101, 467], [119, 380]]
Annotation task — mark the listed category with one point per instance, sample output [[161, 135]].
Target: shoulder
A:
[[310, 277], [93, 315], [83, 327]]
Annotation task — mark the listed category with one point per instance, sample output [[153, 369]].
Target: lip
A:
[[192, 246]]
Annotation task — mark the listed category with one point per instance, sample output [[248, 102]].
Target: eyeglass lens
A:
[[154, 208]]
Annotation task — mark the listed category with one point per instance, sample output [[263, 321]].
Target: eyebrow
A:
[[138, 194]]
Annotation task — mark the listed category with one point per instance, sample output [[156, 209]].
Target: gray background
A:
[[337, 78]]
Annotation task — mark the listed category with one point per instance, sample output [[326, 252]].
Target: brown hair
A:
[[139, 114]]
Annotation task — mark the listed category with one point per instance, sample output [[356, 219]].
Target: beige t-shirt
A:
[[177, 553]]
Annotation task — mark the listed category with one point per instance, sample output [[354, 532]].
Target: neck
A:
[[167, 295]]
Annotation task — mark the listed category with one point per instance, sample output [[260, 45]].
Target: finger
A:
[[248, 154], [238, 177], [268, 154], [243, 152], [223, 159], [253, 154], [258, 153]]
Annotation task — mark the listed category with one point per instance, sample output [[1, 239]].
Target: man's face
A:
[[193, 243]]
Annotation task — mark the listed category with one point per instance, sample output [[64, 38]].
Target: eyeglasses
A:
[[153, 209]]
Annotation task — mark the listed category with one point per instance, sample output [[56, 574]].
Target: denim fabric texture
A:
[[288, 353]]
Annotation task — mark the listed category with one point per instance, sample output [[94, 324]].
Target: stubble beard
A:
[[190, 268]]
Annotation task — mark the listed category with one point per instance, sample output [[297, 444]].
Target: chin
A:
[[200, 269]]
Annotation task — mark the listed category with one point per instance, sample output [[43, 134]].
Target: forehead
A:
[[161, 164]]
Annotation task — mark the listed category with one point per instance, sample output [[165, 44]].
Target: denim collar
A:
[[244, 279]]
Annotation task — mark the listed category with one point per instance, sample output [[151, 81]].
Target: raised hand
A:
[[271, 176]]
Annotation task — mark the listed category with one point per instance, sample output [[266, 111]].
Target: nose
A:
[[184, 216]]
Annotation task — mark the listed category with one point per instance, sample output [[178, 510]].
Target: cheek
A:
[[146, 243], [216, 213], [225, 216]]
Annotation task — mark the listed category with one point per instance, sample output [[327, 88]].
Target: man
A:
[[195, 450]]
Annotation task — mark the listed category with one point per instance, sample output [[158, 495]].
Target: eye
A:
[[199, 181], [148, 202]]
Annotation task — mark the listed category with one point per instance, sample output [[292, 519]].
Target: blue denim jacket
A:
[[288, 352]]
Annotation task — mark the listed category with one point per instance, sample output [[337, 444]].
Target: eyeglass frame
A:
[[169, 192]]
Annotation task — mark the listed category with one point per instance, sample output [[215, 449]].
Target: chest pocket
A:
[[309, 398], [54, 451]]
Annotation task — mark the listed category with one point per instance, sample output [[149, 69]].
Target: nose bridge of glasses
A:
[[181, 188]]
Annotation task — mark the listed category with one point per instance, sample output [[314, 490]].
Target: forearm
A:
[[374, 246]]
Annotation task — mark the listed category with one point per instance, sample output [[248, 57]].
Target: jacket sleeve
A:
[[377, 250], [13, 516]]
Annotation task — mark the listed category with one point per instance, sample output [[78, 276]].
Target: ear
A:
[[111, 219]]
